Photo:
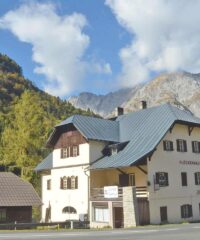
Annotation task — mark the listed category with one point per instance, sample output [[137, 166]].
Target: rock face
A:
[[103, 104], [177, 88]]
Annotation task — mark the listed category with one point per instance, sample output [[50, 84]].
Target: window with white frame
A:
[[196, 146], [101, 214], [181, 145], [197, 178], [65, 152], [75, 151], [168, 145]]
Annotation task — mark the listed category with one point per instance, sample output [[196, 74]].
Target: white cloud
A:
[[59, 44], [165, 37]]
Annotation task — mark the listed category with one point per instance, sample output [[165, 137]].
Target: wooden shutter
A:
[[185, 145], [177, 145], [68, 183], [61, 183], [182, 211], [61, 153], [196, 178], [193, 148], [157, 177], [190, 211], [76, 183], [164, 145], [77, 150], [171, 146]]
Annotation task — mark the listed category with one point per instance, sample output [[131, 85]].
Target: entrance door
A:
[[143, 210], [118, 217], [163, 214]]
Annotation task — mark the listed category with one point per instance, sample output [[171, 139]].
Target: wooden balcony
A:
[[97, 194]]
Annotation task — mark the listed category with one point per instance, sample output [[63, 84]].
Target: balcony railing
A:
[[98, 193]]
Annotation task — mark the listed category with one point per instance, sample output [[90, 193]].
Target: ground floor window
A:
[[101, 214], [2, 214], [186, 211]]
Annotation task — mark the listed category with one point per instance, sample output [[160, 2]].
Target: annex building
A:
[[138, 168]]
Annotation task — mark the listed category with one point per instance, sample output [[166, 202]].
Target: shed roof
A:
[[16, 192]]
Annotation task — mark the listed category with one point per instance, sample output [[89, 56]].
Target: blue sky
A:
[[69, 46]]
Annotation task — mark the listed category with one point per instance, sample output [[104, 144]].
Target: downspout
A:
[[88, 183]]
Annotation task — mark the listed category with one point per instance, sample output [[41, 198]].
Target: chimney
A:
[[143, 104], [119, 111]]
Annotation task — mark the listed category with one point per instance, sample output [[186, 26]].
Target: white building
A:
[[154, 151]]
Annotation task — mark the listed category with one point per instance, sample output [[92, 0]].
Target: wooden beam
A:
[[121, 171], [190, 129], [141, 169]]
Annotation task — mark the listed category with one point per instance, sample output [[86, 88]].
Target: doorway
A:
[[163, 214], [118, 218]]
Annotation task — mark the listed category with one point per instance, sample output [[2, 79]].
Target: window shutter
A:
[[182, 211], [185, 145], [77, 150], [177, 145], [190, 211], [157, 178], [61, 183], [164, 145], [171, 146], [71, 151], [61, 153], [68, 183], [68, 151], [193, 149], [196, 180], [76, 183], [166, 176]]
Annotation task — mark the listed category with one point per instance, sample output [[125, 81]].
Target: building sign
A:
[[186, 162], [111, 192]]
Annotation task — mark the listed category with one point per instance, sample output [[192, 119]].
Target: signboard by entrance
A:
[[111, 192]]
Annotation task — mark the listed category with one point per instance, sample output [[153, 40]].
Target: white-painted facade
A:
[[171, 197]]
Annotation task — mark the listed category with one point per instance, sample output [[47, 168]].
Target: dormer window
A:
[[114, 151]]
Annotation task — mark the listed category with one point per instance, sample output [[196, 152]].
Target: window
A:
[[101, 214], [184, 178], [197, 178], [168, 145], [181, 145], [131, 179], [186, 211], [75, 151], [196, 147], [69, 209], [65, 152], [69, 182], [162, 179], [2, 214], [113, 150], [49, 184]]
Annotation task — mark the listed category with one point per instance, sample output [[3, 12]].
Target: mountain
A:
[[181, 88], [103, 104]]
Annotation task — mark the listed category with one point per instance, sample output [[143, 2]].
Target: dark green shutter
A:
[[177, 145], [185, 145], [164, 145], [171, 146]]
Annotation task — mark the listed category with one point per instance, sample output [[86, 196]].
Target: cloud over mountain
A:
[[165, 37]]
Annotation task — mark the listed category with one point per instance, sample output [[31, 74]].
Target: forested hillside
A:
[[27, 116]]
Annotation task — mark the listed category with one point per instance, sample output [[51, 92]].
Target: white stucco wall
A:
[[175, 195], [72, 166]]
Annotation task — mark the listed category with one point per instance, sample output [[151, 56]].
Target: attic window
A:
[[114, 151]]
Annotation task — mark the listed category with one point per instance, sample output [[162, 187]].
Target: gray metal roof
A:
[[144, 130], [46, 164], [16, 192], [94, 128]]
